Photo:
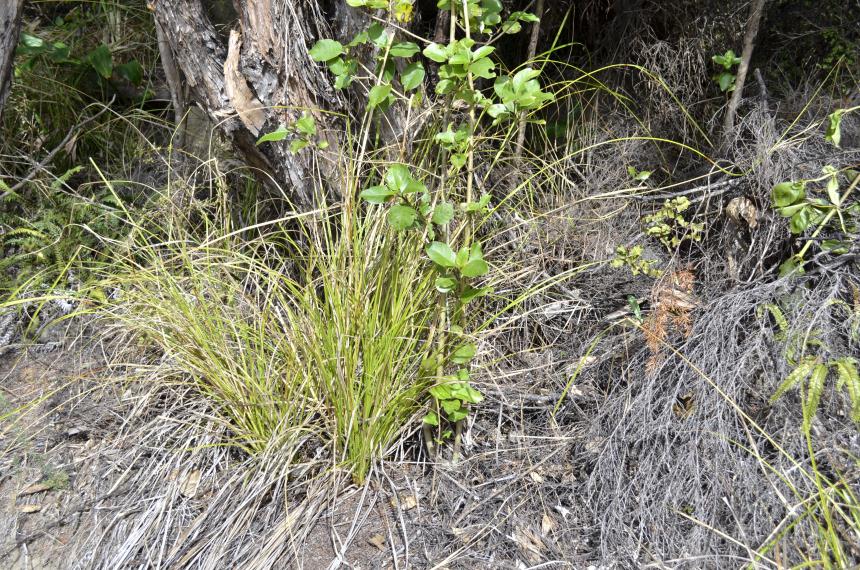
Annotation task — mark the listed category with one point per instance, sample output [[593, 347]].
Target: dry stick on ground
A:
[[47, 160], [521, 131], [749, 39]]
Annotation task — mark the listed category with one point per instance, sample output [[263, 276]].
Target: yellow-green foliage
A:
[[318, 341]]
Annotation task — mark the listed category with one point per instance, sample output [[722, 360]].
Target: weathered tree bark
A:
[[10, 26], [263, 77]]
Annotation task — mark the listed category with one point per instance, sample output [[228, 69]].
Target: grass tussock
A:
[[319, 339]]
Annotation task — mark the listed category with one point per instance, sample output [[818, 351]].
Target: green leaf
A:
[[471, 293], [464, 354], [835, 246], [378, 94], [450, 407], [31, 41], [458, 160], [790, 266], [377, 35], [849, 379], [465, 393], [298, 145], [306, 125], [404, 49], [475, 268], [441, 391], [815, 389], [412, 76], [833, 190], [377, 194], [460, 57], [482, 52], [342, 81], [497, 110], [462, 257], [441, 254], [524, 17], [483, 68], [398, 177], [445, 284], [431, 418], [511, 27], [726, 81], [436, 52], [325, 50], [402, 217], [800, 221], [60, 54], [478, 206], [132, 71], [458, 416], [443, 213], [834, 132], [795, 377], [277, 135], [727, 60], [522, 77], [476, 251], [102, 61], [359, 39], [788, 193]]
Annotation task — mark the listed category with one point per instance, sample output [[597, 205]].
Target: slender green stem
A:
[[828, 217]]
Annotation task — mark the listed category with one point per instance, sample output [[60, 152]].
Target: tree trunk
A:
[[262, 78], [10, 26]]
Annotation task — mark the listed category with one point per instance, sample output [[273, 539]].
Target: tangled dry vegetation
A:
[[190, 399]]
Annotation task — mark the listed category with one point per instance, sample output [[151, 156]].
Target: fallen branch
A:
[[47, 160], [749, 39]]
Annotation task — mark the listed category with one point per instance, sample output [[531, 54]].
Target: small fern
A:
[[849, 379], [810, 372], [45, 230]]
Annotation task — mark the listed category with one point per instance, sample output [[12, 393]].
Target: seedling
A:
[[303, 133], [632, 258], [669, 225], [726, 77]]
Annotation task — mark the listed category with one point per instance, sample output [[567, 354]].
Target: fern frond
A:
[[778, 316], [848, 377], [795, 377], [813, 397], [25, 232], [64, 177]]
